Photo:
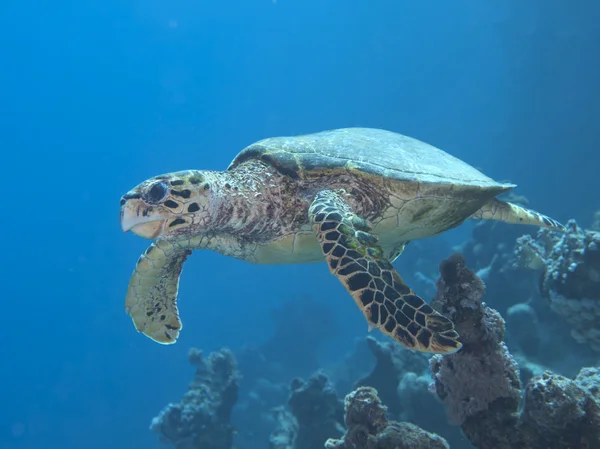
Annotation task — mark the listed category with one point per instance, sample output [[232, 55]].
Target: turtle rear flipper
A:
[[356, 259], [397, 251], [513, 213], [152, 293]]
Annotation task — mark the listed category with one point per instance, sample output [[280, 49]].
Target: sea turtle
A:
[[352, 197]]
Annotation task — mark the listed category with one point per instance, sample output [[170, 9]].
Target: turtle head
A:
[[168, 205]]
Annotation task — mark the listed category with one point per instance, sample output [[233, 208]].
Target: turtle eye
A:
[[156, 192]]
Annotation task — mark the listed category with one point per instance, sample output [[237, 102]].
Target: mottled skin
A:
[[353, 197]]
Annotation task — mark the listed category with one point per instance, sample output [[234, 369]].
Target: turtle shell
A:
[[367, 150]]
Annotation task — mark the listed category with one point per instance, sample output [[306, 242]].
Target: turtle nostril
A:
[[123, 201]]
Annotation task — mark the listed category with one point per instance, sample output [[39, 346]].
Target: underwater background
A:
[[96, 96]]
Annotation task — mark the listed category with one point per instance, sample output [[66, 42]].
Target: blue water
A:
[[96, 96]]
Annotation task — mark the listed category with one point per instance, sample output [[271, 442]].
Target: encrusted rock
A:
[[368, 427], [569, 264], [480, 387], [202, 419], [522, 324], [315, 413], [393, 363], [483, 373], [559, 413]]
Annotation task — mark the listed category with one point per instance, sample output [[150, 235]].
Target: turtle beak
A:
[[138, 217]]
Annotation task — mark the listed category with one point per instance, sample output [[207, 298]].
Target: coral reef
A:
[[560, 412], [493, 376], [491, 400], [569, 264], [401, 379], [316, 414], [368, 427], [258, 411], [522, 323], [202, 418], [488, 247], [301, 323], [285, 434], [480, 384], [393, 364], [596, 223]]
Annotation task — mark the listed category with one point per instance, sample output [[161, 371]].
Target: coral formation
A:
[[492, 400], [202, 418], [560, 412], [393, 364], [489, 253], [368, 427], [480, 384], [493, 375], [401, 379], [570, 279], [316, 414], [259, 410], [596, 223], [302, 323], [285, 434], [522, 323]]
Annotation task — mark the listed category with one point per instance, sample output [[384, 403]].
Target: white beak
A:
[[132, 219]]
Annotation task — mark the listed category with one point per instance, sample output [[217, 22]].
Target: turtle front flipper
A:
[[515, 214], [152, 293], [356, 259]]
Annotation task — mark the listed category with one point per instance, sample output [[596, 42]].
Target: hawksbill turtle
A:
[[352, 197]]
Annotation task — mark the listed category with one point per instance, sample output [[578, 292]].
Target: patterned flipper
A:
[[152, 293], [356, 259], [515, 214]]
